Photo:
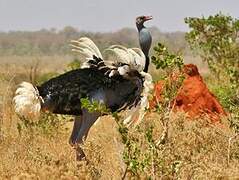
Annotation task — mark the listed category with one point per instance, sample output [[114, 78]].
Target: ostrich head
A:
[[140, 21]]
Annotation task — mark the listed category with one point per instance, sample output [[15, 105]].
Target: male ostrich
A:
[[120, 85]]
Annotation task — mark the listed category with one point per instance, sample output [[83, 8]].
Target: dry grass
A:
[[192, 149]]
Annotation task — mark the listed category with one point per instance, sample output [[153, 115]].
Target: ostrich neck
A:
[[146, 67], [139, 26], [145, 40]]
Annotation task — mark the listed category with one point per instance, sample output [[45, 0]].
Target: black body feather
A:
[[62, 95]]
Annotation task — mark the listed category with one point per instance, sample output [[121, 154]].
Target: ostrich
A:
[[119, 85]]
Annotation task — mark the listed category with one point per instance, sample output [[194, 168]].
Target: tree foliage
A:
[[171, 65], [163, 59], [215, 38]]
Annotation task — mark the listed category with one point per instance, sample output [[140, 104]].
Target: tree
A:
[[215, 38]]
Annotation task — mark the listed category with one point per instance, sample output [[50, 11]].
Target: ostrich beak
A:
[[146, 18]]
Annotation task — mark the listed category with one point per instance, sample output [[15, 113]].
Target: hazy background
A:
[[38, 28], [106, 15]]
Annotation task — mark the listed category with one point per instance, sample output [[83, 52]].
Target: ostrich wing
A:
[[127, 59], [86, 48]]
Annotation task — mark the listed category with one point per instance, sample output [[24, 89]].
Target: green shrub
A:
[[48, 124], [215, 39], [171, 66]]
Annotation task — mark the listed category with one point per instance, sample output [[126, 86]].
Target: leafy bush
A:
[[94, 106], [171, 65], [48, 124], [165, 60], [215, 39]]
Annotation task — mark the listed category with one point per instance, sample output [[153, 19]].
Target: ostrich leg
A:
[[82, 125]]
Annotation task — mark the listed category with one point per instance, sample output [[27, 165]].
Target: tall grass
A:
[[192, 149]]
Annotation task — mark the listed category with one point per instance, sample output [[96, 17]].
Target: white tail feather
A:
[[27, 101]]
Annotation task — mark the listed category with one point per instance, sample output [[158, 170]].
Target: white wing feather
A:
[[121, 53], [86, 47], [133, 57], [138, 61]]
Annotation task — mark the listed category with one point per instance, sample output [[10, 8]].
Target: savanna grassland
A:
[[165, 145]]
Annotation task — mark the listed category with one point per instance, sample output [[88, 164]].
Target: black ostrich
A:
[[118, 86]]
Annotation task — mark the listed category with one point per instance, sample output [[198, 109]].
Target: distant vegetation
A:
[[55, 42]]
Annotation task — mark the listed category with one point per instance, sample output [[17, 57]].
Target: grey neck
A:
[[140, 26], [145, 50]]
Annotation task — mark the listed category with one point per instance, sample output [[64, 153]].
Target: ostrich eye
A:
[[140, 19]]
